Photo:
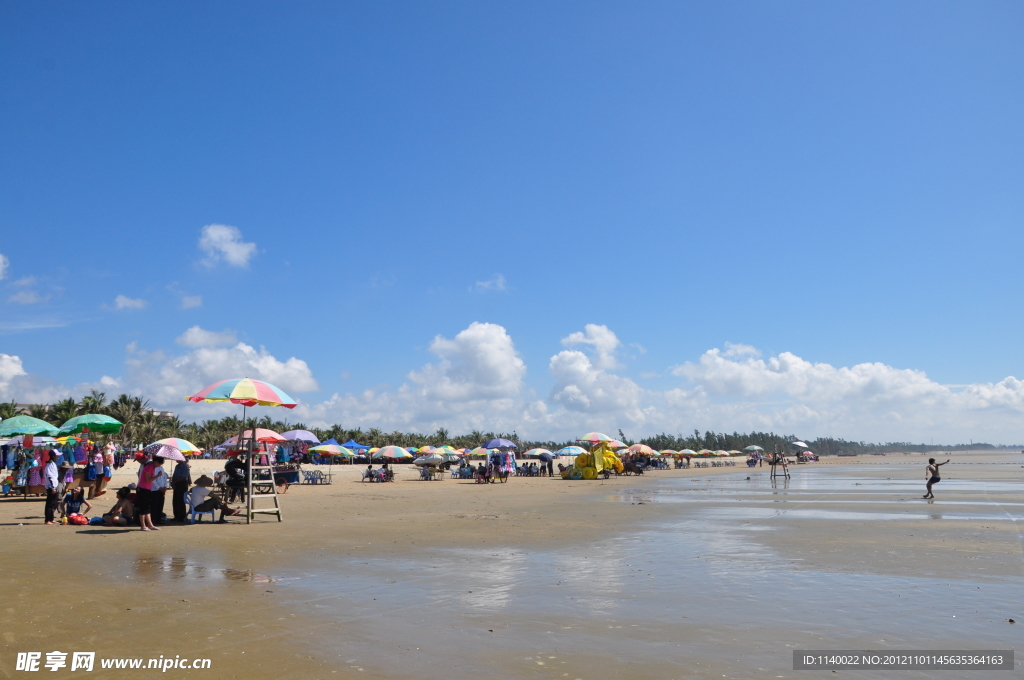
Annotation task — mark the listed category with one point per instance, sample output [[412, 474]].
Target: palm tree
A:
[[96, 402], [130, 411], [9, 409], [63, 411], [375, 437], [41, 411]]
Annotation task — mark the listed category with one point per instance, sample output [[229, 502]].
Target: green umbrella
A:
[[94, 421], [26, 425]]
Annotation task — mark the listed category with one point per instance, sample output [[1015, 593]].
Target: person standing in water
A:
[[932, 474]]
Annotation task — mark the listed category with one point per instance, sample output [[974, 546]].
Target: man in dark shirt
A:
[[236, 477], [181, 478]]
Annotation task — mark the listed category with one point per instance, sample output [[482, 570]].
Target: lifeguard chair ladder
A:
[[261, 485]]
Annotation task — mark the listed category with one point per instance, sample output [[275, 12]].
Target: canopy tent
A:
[[352, 444]]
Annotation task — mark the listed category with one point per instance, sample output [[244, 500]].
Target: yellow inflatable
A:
[[589, 465]]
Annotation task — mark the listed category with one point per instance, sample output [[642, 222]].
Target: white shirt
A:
[[198, 494], [160, 480]]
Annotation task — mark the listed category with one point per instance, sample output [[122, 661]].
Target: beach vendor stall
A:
[[600, 460], [24, 456]]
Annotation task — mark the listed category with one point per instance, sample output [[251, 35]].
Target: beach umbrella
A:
[[301, 436], [536, 452], [425, 449], [244, 391], [164, 451], [332, 450], [26, 425], [734, 453], [429, 459], [801, 445], [668, 452], [643, 448], [703, 452], [721, 453], [570, 451], [500, 444], [622, 452], [391, 452], [478, 451], [616, 444], [444, 450], [412, 449], [262, 435], [595, 438], [688, 452], [181, 444], [94, 422], [753, 447]]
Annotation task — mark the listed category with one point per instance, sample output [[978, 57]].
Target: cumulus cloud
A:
[[223, 243], [10, 368], [125, 302], [585, 385], [4, 264], [476, 382], [496, 283], [601, 340], [197, 337], [869, 401], [190, 301], [27, 297]]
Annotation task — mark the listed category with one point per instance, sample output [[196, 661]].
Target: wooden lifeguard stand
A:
[[779, 466], [260, 480]]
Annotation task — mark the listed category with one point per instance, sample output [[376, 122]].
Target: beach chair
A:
[[193, 513], [368, 477]]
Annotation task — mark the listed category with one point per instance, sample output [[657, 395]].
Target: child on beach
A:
[[932, 475]]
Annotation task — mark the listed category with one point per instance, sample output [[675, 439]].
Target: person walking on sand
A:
[[932, 475], [52, 485]]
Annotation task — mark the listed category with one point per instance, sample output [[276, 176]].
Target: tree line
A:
[[142, 426]]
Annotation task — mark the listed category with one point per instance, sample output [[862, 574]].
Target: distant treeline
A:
[[143, 426]]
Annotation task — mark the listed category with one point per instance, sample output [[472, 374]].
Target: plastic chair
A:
[[193, 513]]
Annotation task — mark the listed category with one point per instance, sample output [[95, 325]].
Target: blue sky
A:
[[839, 183]]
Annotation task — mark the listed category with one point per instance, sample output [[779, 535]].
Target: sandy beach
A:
[[705, 573]]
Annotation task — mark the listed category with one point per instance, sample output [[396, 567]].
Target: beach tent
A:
[[352, 444]]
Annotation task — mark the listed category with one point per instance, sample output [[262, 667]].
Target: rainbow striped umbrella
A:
[[332, 450], [391, 452], [595, 437], [244, 391], [644, 449], [570, 451], [181, 444], [426, 449]]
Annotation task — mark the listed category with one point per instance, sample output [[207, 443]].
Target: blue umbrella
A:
[[500, 444]]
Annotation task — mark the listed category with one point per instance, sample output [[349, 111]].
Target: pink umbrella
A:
[[164, 451]]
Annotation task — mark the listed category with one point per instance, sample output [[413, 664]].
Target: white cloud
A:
[[125, 302], [476, 382], [190, 301], [10, 368], [496, 282], [27, 297], [4, 264], [601, 340], [224, 242], [197, 337], [166, 381], [870, 401], [24, 281]]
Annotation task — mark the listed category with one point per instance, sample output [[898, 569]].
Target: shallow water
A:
[[704, 591]]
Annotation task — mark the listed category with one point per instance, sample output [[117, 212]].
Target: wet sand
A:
[[676, 574]]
